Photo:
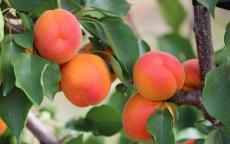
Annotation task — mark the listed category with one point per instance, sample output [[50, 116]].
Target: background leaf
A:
[[210, 5], [76, 140], [115, 7], [173, 13], [111, 122], [160, 127], [14, 109], [222, 56], [176, 45], [101, 120], [1, 26], [218, 136], [9, 51], [216, 93]]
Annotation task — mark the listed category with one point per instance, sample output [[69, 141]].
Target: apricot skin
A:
[[85, 80], [57, 35], [192, 75], [3, 126], [135, 116], [106, 56], [158, 75], [189, 142]]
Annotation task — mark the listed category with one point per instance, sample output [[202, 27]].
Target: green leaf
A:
[[160, 127], [80, 124], [28, 71], [101, 120], [9, 51], [25, 5], [119, 71], [223, 55], [204, 126], [106, 120], [25, 21], [227, 35], [216, 93], [176, 45], [76, 140], [115, 7], [24, 39], [42, 7], [117, 100], [218, 136], [114, 32], [14, 109], [1, 26], [210, 5], [50, 80], [95, 140], [143, 47], [71, 5], [173, 13]]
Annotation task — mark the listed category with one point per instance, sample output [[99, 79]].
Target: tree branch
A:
[[203, 35], [40, 131], [202, 30]]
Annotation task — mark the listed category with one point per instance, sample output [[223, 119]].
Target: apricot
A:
[[190, 142], [136, 113], [3, 126], [158, 75], [85, 80], [57, 35], [107, 51], [192, 75]]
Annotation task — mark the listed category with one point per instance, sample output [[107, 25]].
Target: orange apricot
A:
[[107, 51], [3, 126], [190, 142], [158, 75], [136, 113], [85, 80], [57, 35], [192, 75]]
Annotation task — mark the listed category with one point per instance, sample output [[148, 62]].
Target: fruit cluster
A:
[[85, 77], [157, 77]]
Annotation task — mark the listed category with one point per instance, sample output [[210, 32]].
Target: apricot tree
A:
[[157, 94]]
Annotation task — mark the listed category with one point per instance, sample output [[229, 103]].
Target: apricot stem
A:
[[59, 3]]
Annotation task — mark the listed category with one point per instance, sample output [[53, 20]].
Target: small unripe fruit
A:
[[136, 113], [85, 80], [3, 126], [192, 75], [158, 75], [57, 35]]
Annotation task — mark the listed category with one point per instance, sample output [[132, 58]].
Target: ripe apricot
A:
[[107, 51], [57, 35], [190, 142], [3, 126], [136, 113], [192, 75], [85, 80], [158, 75]]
